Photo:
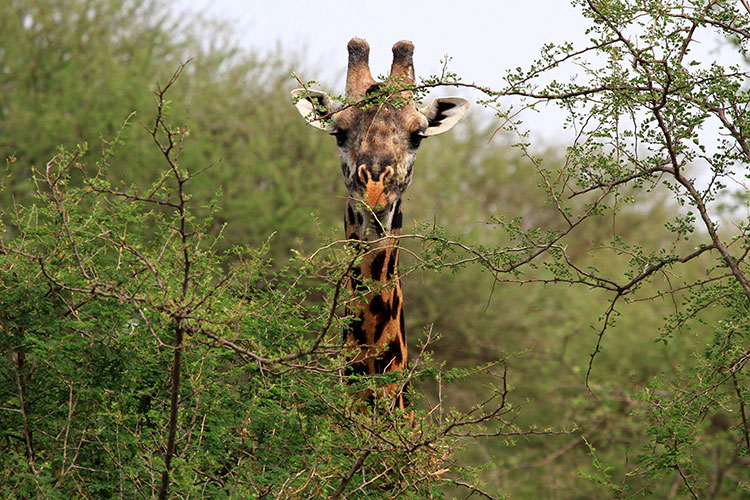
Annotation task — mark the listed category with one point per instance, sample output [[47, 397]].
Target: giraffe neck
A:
[[377, 337]]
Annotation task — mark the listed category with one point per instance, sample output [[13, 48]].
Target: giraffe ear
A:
[[316, 107], [443, 113]]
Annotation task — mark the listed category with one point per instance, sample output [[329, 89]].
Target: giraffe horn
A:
[[403, 63], [358, 77]]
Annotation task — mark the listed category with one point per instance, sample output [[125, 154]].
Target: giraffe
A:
[[378, 143]]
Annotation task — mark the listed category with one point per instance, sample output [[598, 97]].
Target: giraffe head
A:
[[378, 133]]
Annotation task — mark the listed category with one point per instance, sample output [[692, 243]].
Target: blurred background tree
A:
[[76, 70]]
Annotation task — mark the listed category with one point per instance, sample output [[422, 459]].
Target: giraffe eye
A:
[[340, 136], [416, 138]]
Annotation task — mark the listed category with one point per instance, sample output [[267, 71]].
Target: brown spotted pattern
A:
[[377, 336]]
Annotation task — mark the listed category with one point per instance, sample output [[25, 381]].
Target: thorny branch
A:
[[355, 467], [171, 155]]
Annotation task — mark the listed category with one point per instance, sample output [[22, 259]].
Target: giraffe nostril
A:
[[363, 174], [387, 174]]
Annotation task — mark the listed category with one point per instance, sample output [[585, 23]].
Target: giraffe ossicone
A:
[[378, 131]]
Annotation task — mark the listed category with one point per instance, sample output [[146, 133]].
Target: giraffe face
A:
[[378, 140], [378, 146]]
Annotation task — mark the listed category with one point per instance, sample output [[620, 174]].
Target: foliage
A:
[[594, 299], [78, 69], [140, 361], [643, 109]]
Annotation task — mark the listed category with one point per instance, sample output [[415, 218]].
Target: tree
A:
[[77, 70], [651, 113], [140, 361]]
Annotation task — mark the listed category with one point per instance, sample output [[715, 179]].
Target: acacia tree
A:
[[140, 361], [650, 111]]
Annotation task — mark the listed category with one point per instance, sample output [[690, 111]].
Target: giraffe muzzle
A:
[[377, 194]]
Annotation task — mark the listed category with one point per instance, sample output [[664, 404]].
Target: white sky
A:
[[484, 38]]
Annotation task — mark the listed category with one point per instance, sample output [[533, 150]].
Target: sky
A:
[[483, 38]]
